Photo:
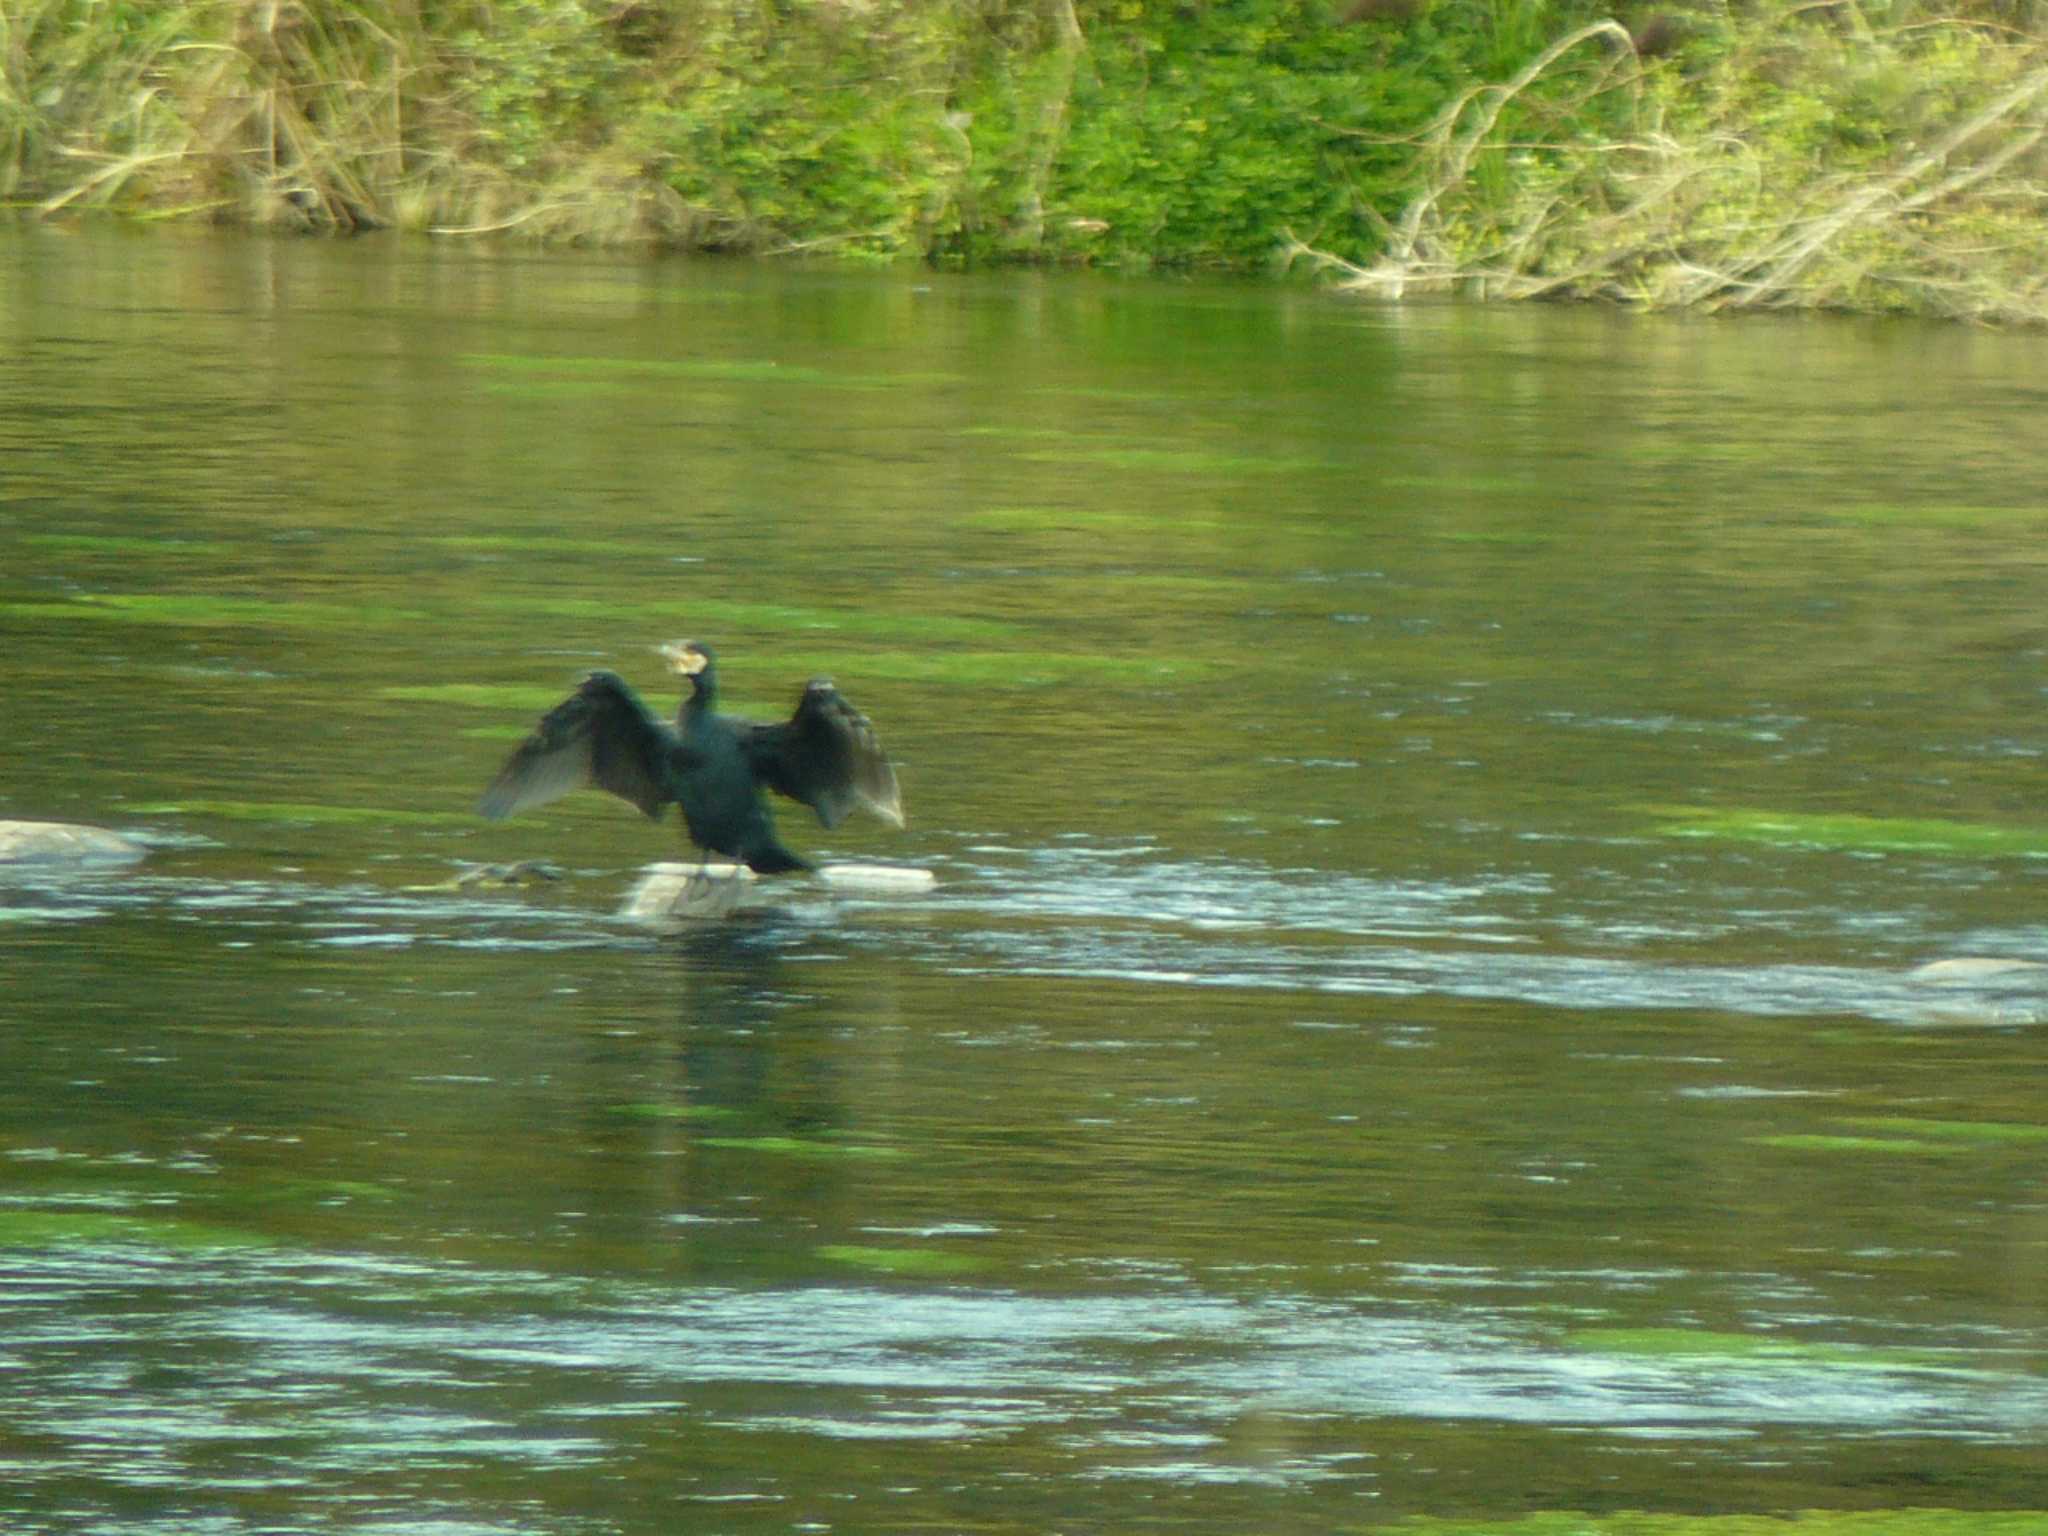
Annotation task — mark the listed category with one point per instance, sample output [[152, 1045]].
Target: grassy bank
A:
[[1803, 160], [1500, 147]]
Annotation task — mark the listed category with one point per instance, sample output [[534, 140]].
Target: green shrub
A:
[[1499, 147]]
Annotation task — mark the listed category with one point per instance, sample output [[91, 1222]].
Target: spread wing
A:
[[825, 755], [600, 735]]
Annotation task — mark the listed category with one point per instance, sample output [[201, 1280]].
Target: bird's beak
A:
[[683, 657]]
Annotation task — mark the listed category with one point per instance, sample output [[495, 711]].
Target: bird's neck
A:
[[702, 699]]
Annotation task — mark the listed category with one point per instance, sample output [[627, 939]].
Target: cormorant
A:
[[713, 765]]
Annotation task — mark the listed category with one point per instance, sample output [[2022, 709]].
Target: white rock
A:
[[670, 893], [58, 842], [891, 879]]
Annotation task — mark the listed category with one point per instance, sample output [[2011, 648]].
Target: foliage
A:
[[1209, 149], [1128, 131], [1493, 147], [780, 140], [534, 76]]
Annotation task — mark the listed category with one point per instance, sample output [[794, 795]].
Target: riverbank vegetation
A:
[[1857, 154]]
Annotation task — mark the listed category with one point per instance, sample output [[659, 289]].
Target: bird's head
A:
[[686, 658]]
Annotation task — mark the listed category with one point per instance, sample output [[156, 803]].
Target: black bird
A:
[[713, 765]]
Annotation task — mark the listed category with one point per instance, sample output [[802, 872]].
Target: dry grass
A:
[[1874, 171], [267, 110]]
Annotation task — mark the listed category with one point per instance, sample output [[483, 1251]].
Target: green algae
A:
[[1988, 1133], [1859, 1146], [1908, 1136], [1713, 1346], [1852, 833], [800, 1147], [41, 1228], [918, 1262]]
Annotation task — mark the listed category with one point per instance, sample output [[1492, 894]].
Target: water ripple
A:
[[1125, 912], [294, 1363]]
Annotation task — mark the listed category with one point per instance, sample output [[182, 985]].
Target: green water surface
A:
[[1435, 814]]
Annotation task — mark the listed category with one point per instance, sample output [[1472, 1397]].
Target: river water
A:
[[1436, 814]]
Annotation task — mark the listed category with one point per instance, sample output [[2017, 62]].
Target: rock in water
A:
[[877, 879], [58, 842], [672, 893]]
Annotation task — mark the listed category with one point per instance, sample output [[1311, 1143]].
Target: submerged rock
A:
[[521, 873], [1970, 970], [60, 842], [491, 876], [1979, 991], [670, 893]]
